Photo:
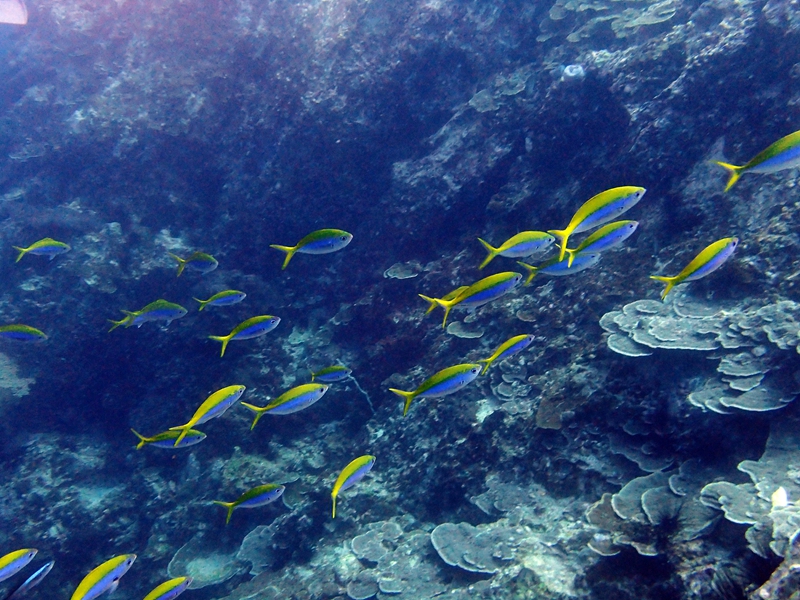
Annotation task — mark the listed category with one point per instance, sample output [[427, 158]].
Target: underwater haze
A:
[[351, 299]]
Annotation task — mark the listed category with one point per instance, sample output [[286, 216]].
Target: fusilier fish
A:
[[709, 260], [351, 475], [509, 348], [197, 261], [32, 581], [160, 310], [251, 328], [170, 589], [783, 154], [166, 439], [322, 241], [598, 210], [607, 237], [258, 496], [291, 401], [214, 406], [331, 374], [224, 298], [103, 578], [559, 268], [13, 562], [479, 293], [518, 246], [44, 247], [443, 383], [22, 333]]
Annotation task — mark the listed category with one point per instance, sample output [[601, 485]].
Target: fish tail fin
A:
[[670, 281], [202, 304], [117, 323], [227, 505], [184, 429], [256, 409], [487, 363], [313, 376], [290, 250], [570, 256], [143, 440], [334, 507], [532, 271], [563, 235], [407, 396], [734, 172], [433, 303], [221, 338], [22, 252], [490, 249], [181, 263]]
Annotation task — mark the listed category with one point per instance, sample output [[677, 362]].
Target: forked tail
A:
[[532, 271], [734, 172], [22, 252], [670, 281], [184, 429], [256, 409], [229, 506], [181, 263], [434, 302], [407, 396], [143, 439], [221, 338], [563, 235], [290, 250], [491, 250]]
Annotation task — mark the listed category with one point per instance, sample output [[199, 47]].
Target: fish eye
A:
[[474, 371]]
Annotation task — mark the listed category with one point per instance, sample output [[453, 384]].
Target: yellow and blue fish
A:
[[246, 330], [291, 401], [103, 578], [560, 267], [479, 293], [607, 237], [710, 259], [440, 384], [258, 496], [331, 374], [351, 475], [166, 439], [509, 348], [322, 241], [197, 261], [518, 246], [599, 210], [160, 310], [170, 589], [22, 333], [214, 406], [783, 154], [44, 247], [223, 298], [13, 562]]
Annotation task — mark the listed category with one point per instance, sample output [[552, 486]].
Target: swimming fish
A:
[[518, 246], [251, 328], [258, 496], [510, 347], [607, 237], [214, 406], [322, 241], [331, 374], [559, 268], [197, 261], [32, 581], [351, 475], [22, 333], [13, 562], [170, 589], [44, 247], [598, 210], [783, 154], [166, 439], [479, 293], [709, 260], [160, 310], [440, 384], [291, 401], [103, 578], [224, 298]]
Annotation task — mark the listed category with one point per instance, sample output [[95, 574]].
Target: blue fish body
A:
[[31, 581], [357, 475], [518, 347], [490, 293], [162, 314], [12, 563], [561, 268], [448, 386], [263, 498], [257, 329], [219, 409], [331, 374], [300, 402], [21, 336]]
